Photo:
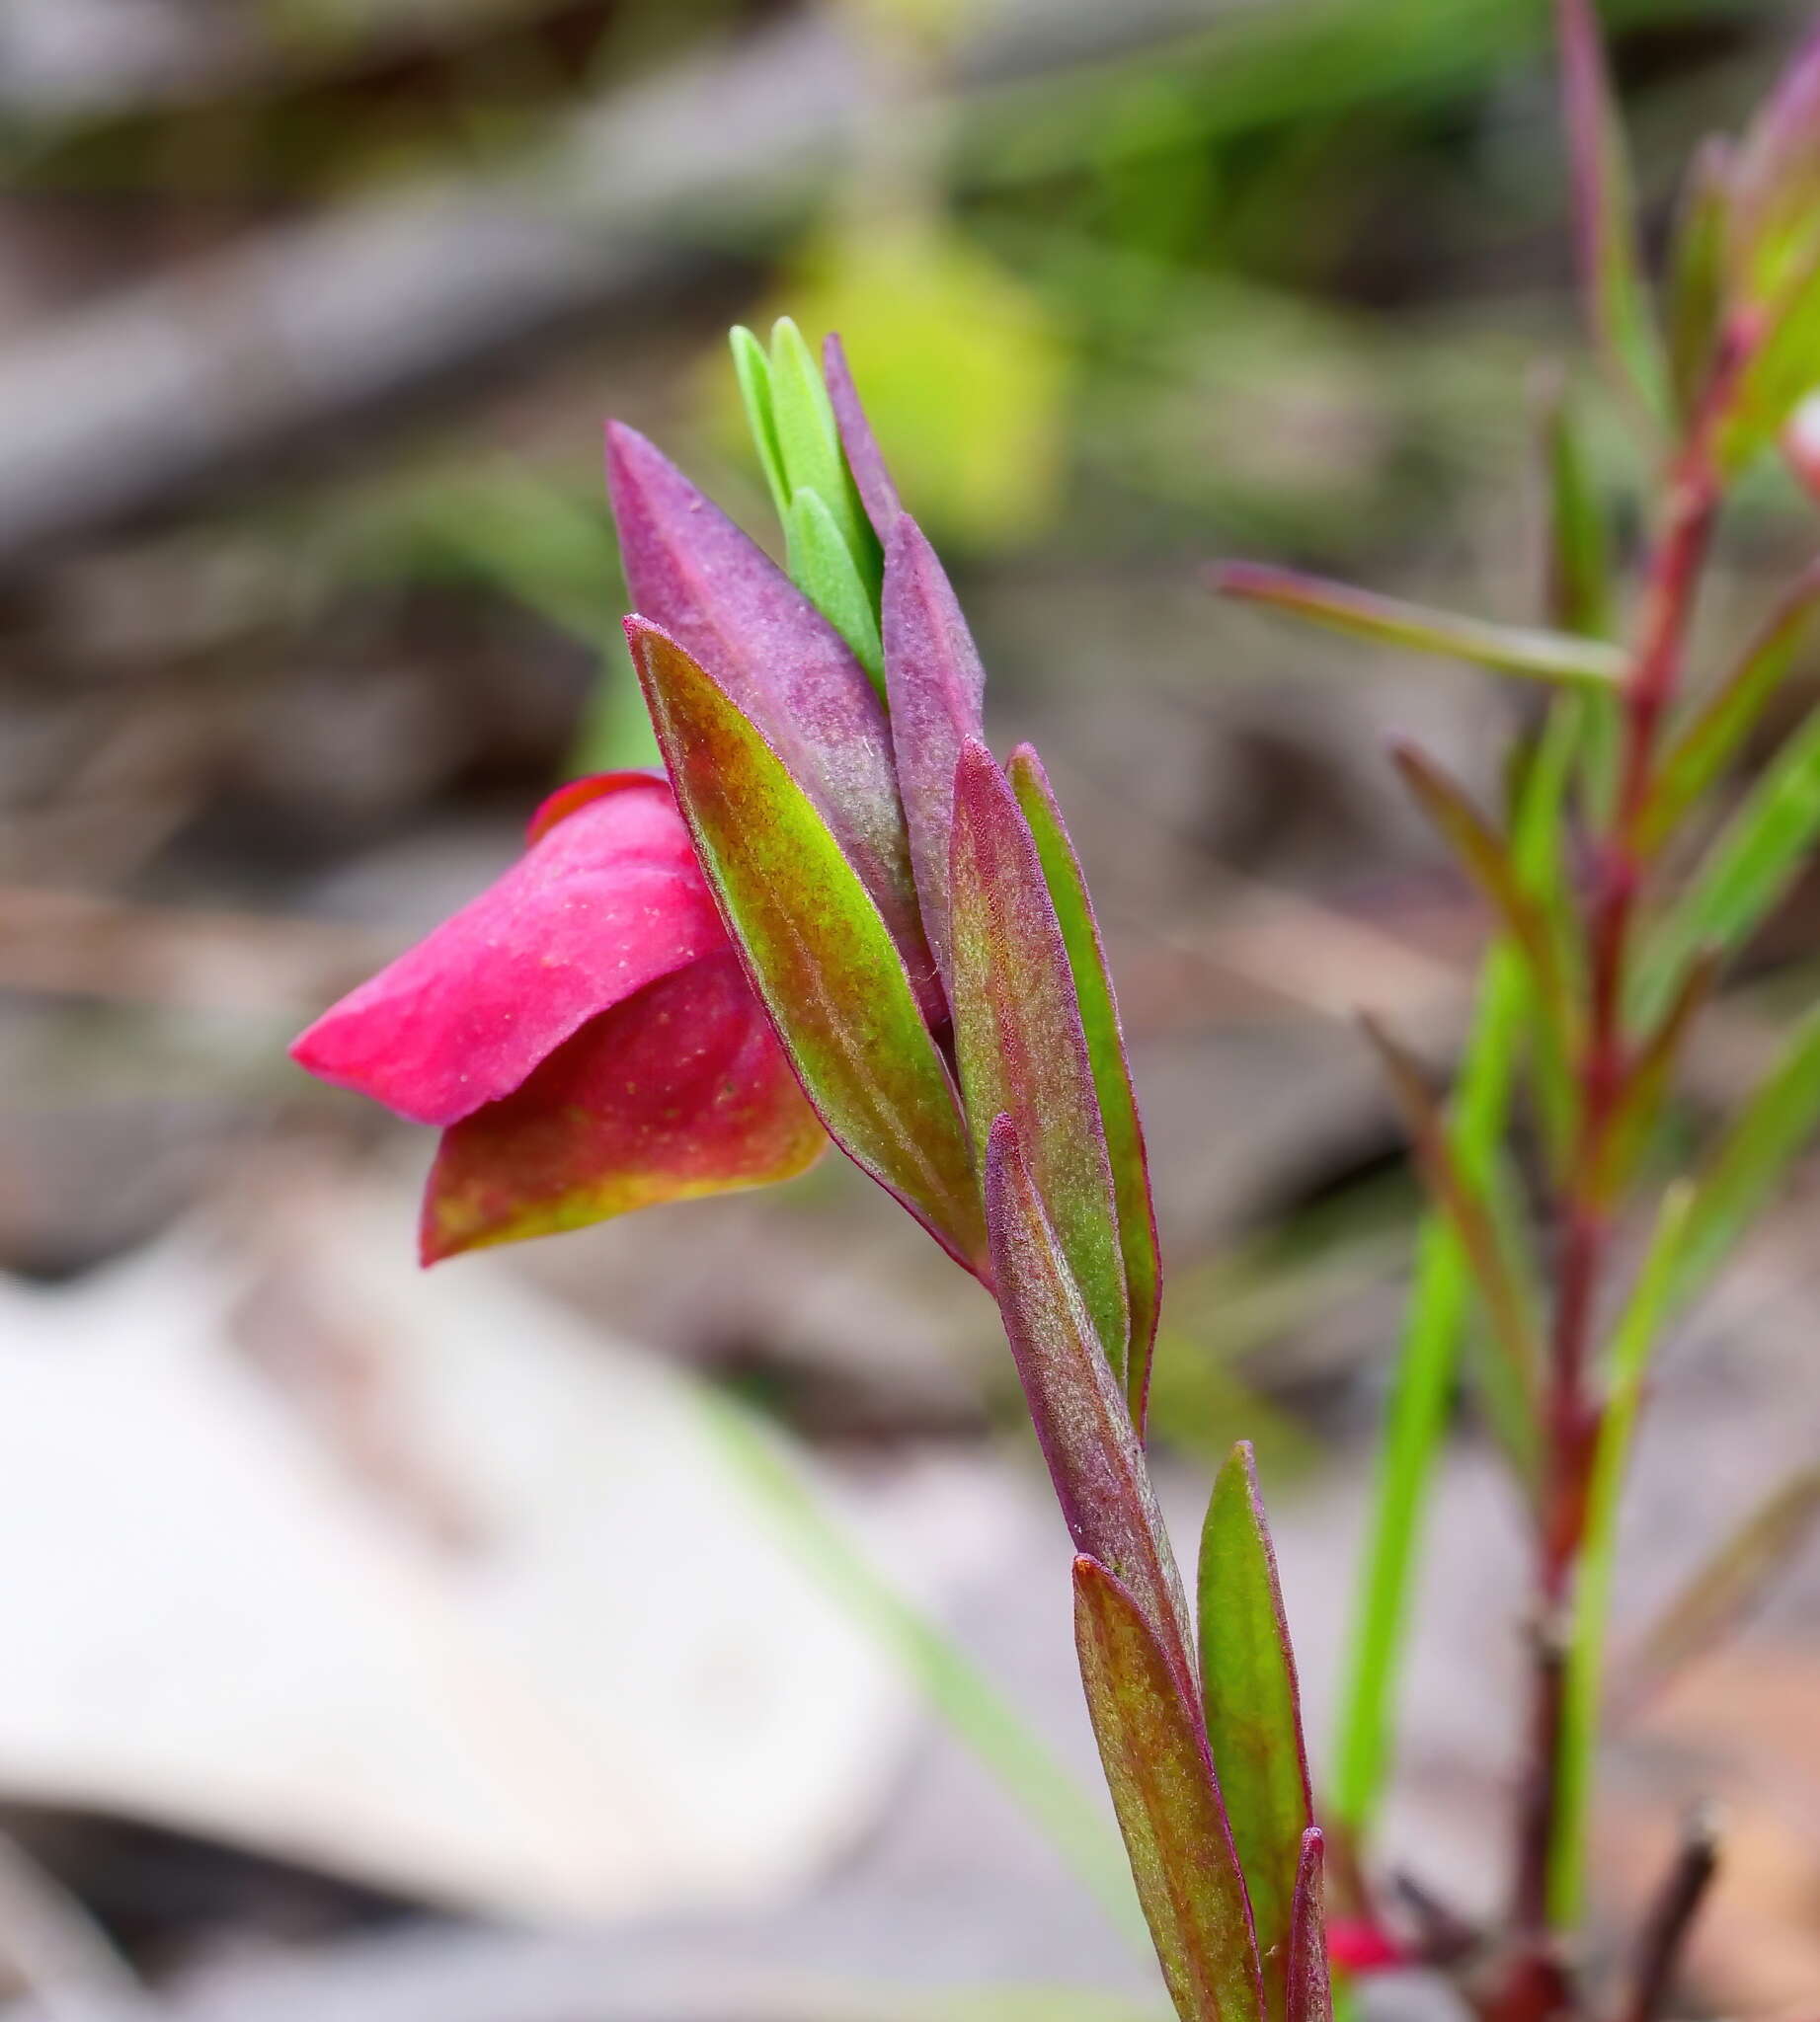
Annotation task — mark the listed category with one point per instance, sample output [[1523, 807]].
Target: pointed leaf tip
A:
[[864, 459], [814, 947], [1168, 1808], [1018, 1039], [1253, 1708]]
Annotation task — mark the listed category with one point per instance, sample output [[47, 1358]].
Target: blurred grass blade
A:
[[1019, 1043], [1487, 858], [817, 950], [1389, 621], [1751, 1159], [1515, 1386], [1725, 1591], [1580, 595], [1118, 1101], [1750, 867], [1253, 1710], [1078, 1412], [822, 568], [1168, 1806], [1695, 296], [1633, 1343], [1605, 222], [1646, 1080], [961, 1694], [1310, 1986], [1723, 722], [936, 689], [1435, 1320]]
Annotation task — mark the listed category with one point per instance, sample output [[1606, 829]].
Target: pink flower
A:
[[582, 1031]]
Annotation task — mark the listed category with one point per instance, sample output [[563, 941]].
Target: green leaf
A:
[[1751, 1159], [1440, 1300], [1389, 621], [961, 1694], [816, 948], [1514, 1375], [1645, 1083], [1695, 302], [809, 450], [1579, 546], [1715, 729], [1725, 1590], [1750, 867], [1118, 1101], [1253, 1710], [1582, 1692], [751, 366], [1783, 368], [1018, 1040], [1168, 1806], [1611, 268], [822, 568], [1094, 1459]]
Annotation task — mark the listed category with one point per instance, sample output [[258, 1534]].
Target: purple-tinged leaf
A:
[[1695, 290], [1167, 1802], [1725, 1591], [1310, 1986], [815, 948], [1389, 621], [1514, 1386], [696, 576], [1485, 857], [1081, 1424], [1605, 222], [1254, 1709], [864, 459], [1018, 1041], [1774, 212], [936, 689], [1726, 717], [1118, 1101]]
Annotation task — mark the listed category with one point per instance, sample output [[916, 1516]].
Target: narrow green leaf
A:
[[1782, 369], [1389, 621], [1092, 1453], [1018, 1040], [1253, 1710], [1727, 1589], [822, 568], [1435, 1320], [1583, 1693], [1696, 301], [1751, 1159], [961, 1694], [817, 950], [1640, 1102], [1750, 867], [808, 448], [1310, 1986], [1579, 545], [1513, 1388], [1168, 1806], [1715, 729], [1611, 268], [1487, 858], [1118, 1101], [752, 370]]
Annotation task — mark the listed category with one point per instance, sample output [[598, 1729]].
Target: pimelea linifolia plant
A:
[[838, 916]]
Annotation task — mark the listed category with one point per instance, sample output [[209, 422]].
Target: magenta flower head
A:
[[581, 1033]]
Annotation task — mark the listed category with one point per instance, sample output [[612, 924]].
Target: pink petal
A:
[[606, 902], [680, 1091]]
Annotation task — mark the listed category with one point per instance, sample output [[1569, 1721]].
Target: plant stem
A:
[[1571, 1413]]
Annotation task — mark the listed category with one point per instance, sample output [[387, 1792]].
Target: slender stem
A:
[[1571, 1411], [1671, 1918]]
